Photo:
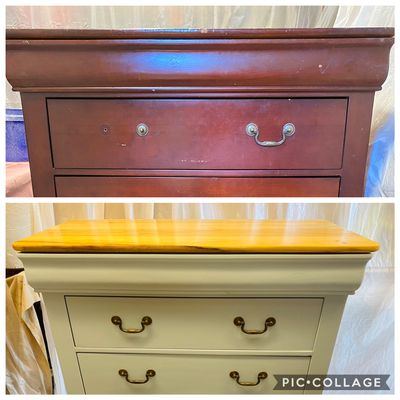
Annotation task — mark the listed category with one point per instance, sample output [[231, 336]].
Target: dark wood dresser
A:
[[198, 112]]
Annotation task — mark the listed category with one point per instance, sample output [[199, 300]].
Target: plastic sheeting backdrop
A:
[[365, 343], [25, 344], [380, 173]]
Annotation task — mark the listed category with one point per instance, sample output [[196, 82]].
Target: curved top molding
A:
[[195, 274], [272, 60]]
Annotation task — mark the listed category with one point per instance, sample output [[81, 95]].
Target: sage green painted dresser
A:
[[193, 306]]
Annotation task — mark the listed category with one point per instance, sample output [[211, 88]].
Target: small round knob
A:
[[238, 321], [151, 373], [123, 372], [142, 129], [147, 321], [234, 374], [116, 320], [288, 129], [251, 129], [262, 375]]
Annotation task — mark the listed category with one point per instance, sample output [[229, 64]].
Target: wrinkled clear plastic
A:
[[27, 367]]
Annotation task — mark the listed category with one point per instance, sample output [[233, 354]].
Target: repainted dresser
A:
[[193, 306], [258, 112]]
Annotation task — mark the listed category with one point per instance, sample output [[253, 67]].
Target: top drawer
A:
[[196, 134], [195, 323]]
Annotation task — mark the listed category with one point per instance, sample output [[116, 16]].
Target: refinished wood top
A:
[[295, 33], [196, 236]]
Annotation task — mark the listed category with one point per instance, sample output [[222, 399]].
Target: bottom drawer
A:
[[85, 186], [184, 374]]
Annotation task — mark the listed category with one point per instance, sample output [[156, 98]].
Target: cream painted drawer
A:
[[179, 374], [201, 323]]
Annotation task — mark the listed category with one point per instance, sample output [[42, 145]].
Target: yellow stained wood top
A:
[[196, 236]]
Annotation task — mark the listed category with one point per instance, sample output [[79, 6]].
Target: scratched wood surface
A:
[[70, 148], [210, 134], [196, 236]]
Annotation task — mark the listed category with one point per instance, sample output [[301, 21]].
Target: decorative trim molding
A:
[[196, 275], [327, 63]]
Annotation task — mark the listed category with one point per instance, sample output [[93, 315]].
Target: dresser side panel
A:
[[355, 152], [62, 335], [39, 146], [332, 311]]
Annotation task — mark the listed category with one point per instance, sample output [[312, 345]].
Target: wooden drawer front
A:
[[196, 134], [194, 323], [101, 186], [180, 374]]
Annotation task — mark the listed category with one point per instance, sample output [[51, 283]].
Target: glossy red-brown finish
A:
[[188, 85], [39, 146], [357, 140], [196, 187], [289, 33], [196, 134], [329, 62]]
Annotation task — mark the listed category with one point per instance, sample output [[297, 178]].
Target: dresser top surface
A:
[[291, 33], [196, 236]]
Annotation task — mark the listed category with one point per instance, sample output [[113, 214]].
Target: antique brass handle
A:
[[239, 321], [142, 129], [149, 374], [118, 321], [235, 375], [288, 130]]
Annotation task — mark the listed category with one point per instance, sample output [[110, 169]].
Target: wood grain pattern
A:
[[196, 236]]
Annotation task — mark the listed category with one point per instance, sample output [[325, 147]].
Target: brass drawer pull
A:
[[142, 129], [118, 321], [149, 374], [239, 321], [235, 375], [288, 130]]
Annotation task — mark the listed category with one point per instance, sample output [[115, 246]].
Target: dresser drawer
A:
[[118, 186], [180, 374], [196, 134], [194, 323]]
